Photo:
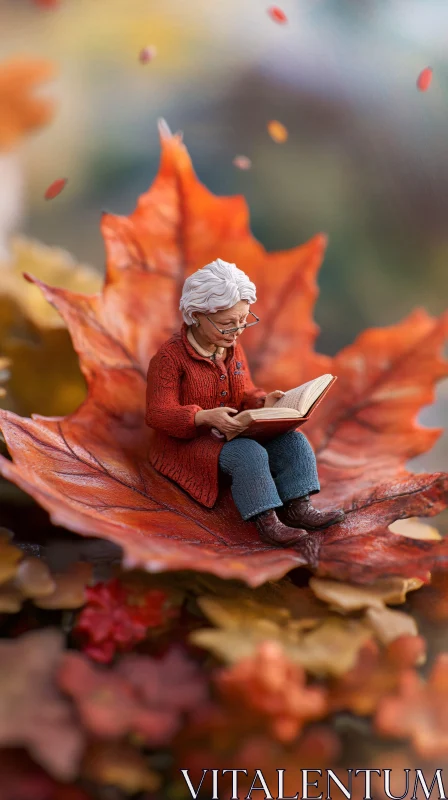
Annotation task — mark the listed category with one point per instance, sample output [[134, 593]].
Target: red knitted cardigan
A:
[[180, 383]]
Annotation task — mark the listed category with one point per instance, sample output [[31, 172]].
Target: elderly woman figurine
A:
[[197, 380]]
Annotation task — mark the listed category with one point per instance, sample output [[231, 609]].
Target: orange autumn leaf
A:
[[90, 469], [21, 110], [277, 131], [418, 710], [277, 15]]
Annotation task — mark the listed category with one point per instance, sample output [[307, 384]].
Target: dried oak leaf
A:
[[140, 696], [329, 648], [346, 597], [90, 469], [33, 712], [418, 710], [269, 684]]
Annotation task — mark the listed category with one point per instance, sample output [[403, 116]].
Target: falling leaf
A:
[[242, 162], [424, 79], [21, 110], [277, 15], [55, 188], [277, 131], [33, 713], [147, 54], [90, 470], [418, 710]]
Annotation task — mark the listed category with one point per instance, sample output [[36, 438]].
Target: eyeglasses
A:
[[241, 327]]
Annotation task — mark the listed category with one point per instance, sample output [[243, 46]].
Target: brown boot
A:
[[300, 513], [272, 531]]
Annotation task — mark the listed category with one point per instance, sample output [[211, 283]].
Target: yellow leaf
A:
[[346, 597], [414, 529], [389, 624], [45, 375]]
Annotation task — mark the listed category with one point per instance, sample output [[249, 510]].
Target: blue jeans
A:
[[266, 476]]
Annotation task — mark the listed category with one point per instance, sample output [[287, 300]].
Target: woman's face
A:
[[229, 318]]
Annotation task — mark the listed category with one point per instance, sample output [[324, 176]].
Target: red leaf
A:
[[424, 79], [110, 621], [55, 188], [418, 710], [277, 15], [141, 695], [90, 470]]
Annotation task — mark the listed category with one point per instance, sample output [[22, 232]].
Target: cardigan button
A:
[[222, 404], [223, 393], [222, 377]]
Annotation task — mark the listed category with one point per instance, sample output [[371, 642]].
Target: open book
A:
[[289, 412]]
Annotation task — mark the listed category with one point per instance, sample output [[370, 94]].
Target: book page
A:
[[303, 397], [266, 413]]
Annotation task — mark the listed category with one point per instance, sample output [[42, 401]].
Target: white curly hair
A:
[[215, 287]]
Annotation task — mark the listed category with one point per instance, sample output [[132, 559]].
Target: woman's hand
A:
[[272, 397], [219, 418]]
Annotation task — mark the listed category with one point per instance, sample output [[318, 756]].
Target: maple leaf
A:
[[113, 620], [90, 469], [375, 674], [269, 684], [34, 714], [328, 646], [140, 695]]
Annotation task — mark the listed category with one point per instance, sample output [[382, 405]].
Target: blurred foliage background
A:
[[366, 160]]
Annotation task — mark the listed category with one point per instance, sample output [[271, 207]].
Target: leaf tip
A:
[[164, 129]]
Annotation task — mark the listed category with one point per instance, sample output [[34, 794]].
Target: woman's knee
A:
[[238, 453]]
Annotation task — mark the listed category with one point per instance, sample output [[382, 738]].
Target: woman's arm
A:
[[163, 410], [253, 395]]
